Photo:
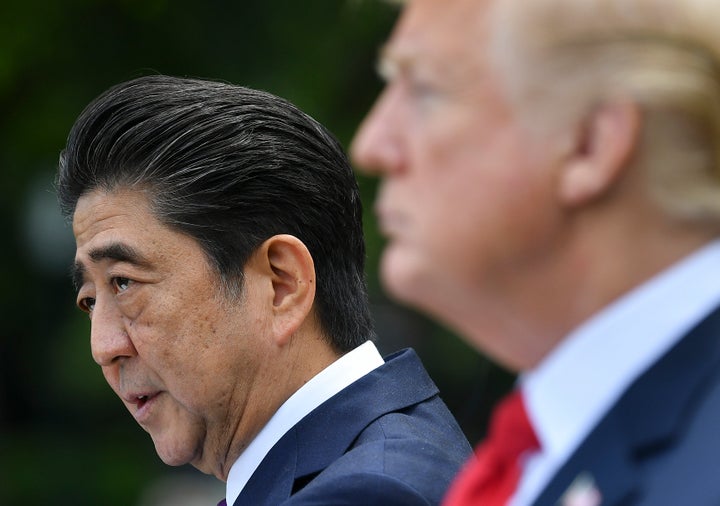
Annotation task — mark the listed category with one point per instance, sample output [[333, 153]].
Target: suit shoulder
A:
[[687, 470], [388, 472]]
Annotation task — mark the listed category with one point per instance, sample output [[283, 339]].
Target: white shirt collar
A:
[[572, 389], [331, 380]]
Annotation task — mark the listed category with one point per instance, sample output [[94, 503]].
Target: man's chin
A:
[[174, 453], [402, 273], [416, 281]]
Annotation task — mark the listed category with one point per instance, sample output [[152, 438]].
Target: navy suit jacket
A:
[[387, 439], [660, 444]]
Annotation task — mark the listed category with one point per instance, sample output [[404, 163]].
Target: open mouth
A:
[[143, 406], [142, 400], [140, 404]]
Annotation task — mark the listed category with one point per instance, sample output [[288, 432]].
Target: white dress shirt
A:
[[331, 380], [578, 383]]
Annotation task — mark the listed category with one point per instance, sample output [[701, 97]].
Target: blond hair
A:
[[560, 58]]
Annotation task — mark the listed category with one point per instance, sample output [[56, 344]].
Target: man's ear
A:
[[290, 269], [601, 153]]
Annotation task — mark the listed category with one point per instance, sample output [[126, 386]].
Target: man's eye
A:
[[424, 92], [121, 284], [87, 304]]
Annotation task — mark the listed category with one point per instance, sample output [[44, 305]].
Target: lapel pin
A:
[[581, 492]]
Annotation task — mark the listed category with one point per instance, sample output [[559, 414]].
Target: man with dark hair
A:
[[220, 259]]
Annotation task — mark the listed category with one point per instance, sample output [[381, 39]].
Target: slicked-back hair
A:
[[230, 167]]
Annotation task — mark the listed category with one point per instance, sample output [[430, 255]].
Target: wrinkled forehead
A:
[[101, 211]]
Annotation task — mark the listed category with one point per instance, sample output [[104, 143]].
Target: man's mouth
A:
[[141, 400], [143, 405]]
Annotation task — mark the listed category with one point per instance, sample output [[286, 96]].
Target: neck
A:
[[291, 366], [518, 323]]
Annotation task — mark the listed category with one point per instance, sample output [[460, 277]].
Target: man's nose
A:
[[109, 340], [377, 147]]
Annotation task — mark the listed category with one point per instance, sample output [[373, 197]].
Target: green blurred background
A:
[[64, 437]]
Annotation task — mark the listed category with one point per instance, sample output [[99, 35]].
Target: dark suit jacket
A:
[[387, 439], [660, 444]]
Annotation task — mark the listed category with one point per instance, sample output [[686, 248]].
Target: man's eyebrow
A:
[[117, 251]]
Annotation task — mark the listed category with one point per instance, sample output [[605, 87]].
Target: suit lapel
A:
[[272, 482], [644, 421], [331, 429], [603, 460], [328, 432]]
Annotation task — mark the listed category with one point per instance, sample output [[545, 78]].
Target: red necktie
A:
[[491, 478]]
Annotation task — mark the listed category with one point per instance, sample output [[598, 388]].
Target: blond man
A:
[[551, 190]]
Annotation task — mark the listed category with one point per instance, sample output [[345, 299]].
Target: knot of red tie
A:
[[491, 478]]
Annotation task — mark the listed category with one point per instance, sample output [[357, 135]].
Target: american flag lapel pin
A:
[[581, 492]]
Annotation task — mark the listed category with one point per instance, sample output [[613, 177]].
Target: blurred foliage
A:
[[64, 438]]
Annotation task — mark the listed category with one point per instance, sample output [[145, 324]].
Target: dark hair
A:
[[230, 167]]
